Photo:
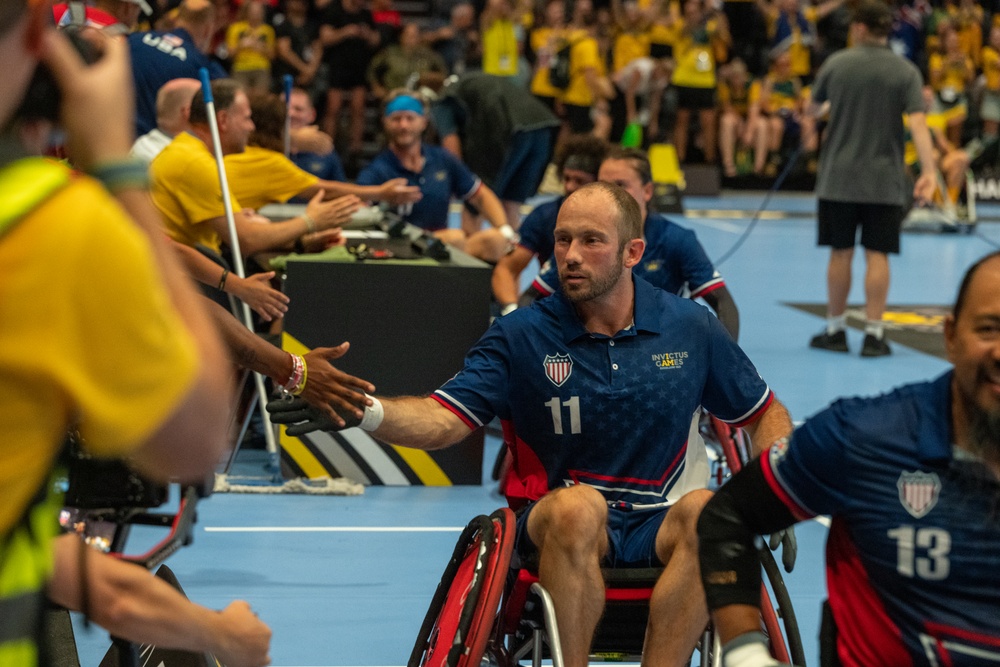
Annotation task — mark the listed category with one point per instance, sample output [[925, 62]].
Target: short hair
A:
[[963, 289], [874, 15], [224, 92], [628, 220], [175, 95], [637, 159], [268, 113], [583, 151], [196, 13]]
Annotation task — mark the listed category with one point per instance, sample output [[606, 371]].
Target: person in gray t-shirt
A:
[[861, 180]]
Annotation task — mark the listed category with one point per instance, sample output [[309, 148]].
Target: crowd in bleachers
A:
[[724, 82]]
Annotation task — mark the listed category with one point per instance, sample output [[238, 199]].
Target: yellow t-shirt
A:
[[953, 75], [936, 123], [799, 51], [551, 40], [500, 48], [259, 176], [991, 68], [627, 47], [583, 56], [185, 188], [89, 338], [695, 58], [245, 60], [667, 35], [738, 98]]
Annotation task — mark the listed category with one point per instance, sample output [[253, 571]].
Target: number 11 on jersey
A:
[[556, 406]]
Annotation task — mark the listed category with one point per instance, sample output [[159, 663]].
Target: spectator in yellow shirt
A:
[[990, 109], [951, 72], [250, 42]]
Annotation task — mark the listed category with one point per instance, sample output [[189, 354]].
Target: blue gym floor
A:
[[345, 581]]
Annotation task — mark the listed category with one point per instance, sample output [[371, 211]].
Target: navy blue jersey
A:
[[158, 57], [612, 412], [442, 178], [326, 166], [538, 229], [673, 261], [913, 555]]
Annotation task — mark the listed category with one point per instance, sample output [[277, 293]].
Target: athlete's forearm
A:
[[770, 427], [421, 423]]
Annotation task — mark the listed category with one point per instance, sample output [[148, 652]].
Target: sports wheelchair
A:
[[484, 612], [104, 501]]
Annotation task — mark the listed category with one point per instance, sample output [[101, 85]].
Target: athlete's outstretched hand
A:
[[301, 418], [789, 546]]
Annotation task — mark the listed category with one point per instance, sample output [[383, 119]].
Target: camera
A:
[[43, 97]]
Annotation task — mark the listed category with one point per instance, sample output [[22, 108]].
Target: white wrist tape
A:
[[509, 233], [748, 650], [508, 309], [374, 414]]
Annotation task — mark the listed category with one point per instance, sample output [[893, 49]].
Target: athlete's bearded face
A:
[[588, 251], [405, 128], [973, 342]]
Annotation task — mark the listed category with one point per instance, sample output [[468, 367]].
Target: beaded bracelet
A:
[[297, 381], [124, 174]]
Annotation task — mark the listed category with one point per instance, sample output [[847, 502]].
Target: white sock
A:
[[836, 323], [875, 328], [748, 650]]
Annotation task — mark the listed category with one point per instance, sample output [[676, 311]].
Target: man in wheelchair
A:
[[596, 387]]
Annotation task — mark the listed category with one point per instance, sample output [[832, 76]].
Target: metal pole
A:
[[287, 81], [234, 243]]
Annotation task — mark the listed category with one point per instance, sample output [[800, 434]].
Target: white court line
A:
[[333, 529], [718, 224]]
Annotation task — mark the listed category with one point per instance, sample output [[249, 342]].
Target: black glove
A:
[[789, 546], [302, 418]]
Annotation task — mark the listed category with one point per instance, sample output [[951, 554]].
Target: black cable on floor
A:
[[763, 205]]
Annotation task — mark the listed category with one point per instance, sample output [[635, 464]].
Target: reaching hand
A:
[[789, 546], [243, 640], [332, 391], [301, 418], [333, 213], [925, 187], [397, 192], [320, 241], [311, 139], [256, 292]]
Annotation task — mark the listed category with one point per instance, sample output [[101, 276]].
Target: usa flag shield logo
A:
[[918, 492], [558, 368]]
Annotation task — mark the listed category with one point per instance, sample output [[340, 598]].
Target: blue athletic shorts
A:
[[631, 538]]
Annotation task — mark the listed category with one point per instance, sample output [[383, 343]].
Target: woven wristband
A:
[[124, 174], [310, 223]]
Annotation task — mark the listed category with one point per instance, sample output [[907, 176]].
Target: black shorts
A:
[[880, 225], [695, 98], [578, 118]]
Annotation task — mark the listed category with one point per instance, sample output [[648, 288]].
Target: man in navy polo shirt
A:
[[577, 163], [912, 482], [160, 56], [440, 177], [674, 259], [596, 388]]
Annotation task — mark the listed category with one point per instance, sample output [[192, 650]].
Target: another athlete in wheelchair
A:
[[595, 388]]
